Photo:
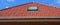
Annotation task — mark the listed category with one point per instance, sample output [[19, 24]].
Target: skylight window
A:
[[32, 8]]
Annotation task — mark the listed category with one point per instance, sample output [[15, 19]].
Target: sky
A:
[[9, 3]]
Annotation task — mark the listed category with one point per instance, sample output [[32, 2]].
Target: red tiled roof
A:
[[21, 10]]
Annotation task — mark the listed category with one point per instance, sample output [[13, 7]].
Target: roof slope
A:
[[21, 10]]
